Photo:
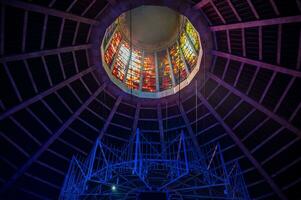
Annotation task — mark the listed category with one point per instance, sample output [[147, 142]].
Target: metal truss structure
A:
[[144, 166]]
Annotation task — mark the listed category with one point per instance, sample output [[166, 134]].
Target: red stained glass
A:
[[122, 60], [165, 80], [134, 70], [112, 48], [149, 74]]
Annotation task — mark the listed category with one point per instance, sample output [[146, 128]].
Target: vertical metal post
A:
[[157, 72], [136, 150], [171, 69], [141, 72]]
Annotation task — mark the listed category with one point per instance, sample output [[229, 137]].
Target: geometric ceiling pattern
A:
[[54, 104]]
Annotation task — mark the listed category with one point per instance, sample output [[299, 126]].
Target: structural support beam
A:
[[136, 117], [234, 10], [49, 11], [258, 63], [112, 2], [44, 53], [218, 12], [40, 96], [53, 137], [256, 105], [264, 22], [157, 72], [160, 121], [201, 4], [141, 72], [110, 117], [2, 25], [253, 9], [247, 153], [190, 131]]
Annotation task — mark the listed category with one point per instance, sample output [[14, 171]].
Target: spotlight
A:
[[113, 187]]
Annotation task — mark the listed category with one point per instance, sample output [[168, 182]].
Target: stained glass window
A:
[[165, 79], [149, 73], [140, 70], [122, 60], [177, 63], [189, 54], [193, 35], [134, 70], [112, 48]]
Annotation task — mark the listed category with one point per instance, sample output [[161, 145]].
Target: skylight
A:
[[151, 71]]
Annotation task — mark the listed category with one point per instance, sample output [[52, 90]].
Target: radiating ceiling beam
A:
[[13, 83], [253, 9], [40, 96], [274, 6], [218, 12], [53, 137], [260, 42], [160, 121], [44, 53], [256, 105], [136, 117], [87, 8], [49, 11], [44, 31], [24, 34], [279, 39], [234, 10], [2, 25], [264, 22], [112, 2], [201, 4], [258, 63], [110, 117], [188, 126], [247, 153], [299, 53]]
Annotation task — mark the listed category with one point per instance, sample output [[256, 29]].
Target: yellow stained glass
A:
[[193, 35], [177, 63], [188, 51]]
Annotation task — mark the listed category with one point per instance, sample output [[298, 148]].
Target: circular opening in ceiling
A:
[[151, 51]]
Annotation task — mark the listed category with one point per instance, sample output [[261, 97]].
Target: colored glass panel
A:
[[193, 35], [188, 51], [165, 80], [112, 48], [134, 70], [109, 33], [177, 63], [149, 73], [120, 65]]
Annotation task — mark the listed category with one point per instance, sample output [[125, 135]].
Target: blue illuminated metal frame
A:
[[143, 166]]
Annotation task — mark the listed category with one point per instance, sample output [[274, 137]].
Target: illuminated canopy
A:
[[151, 67]]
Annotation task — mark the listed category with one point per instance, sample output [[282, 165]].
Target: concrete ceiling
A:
[[153, 27]]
